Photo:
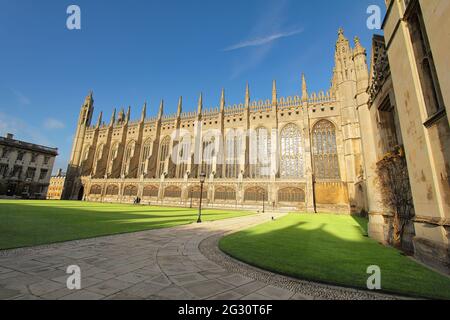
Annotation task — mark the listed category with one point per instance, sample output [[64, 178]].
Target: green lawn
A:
[[29, 223], [332, 249]]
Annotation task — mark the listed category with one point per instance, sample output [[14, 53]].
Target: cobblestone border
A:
[[209, 247]]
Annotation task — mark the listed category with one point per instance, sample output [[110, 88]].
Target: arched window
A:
[[184, 155], [86, 167], [232, 152], [112, 190], [150, 191], [146, 153], [86, 152], [225, 194], [291, 195], [208, 155], [163, 155], [172, 192], [98, 157], [96, 190], [114, 153], [326, 164], [130, 191], [129, 154], [260, 154], [291, 152], [255, 194]]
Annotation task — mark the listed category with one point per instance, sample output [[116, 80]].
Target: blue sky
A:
[[133, 51]]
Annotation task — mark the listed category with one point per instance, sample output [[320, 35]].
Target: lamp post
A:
[[202, 181], [190, 192], [264, 201]]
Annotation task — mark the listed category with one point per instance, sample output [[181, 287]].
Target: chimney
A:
[[9, 136], [59, 173]]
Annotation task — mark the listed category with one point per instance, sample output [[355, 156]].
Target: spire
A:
[[274, 93], [99, 121], [128, 113], [304, 89], [341, 42], [113, 117], [161, 109], [222, 101], [358, 47], [89, 99], [341, 35], [180, 107], [200, 104], [144, 112], [121, 117], [247, 96]]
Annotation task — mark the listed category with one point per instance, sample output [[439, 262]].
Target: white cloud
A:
[[262, 40], [22, 130], [53, 124], [270, 26], [22, 99]]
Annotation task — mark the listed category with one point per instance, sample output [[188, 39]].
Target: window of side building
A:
[[43, 174], [425, 64]]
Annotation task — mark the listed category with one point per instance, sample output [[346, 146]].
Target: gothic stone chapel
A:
[[298, 153]]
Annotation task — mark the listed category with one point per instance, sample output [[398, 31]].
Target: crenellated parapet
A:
[[234, 109]]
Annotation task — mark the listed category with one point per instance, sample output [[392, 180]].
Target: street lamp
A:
[[264, 201], [202, 181]]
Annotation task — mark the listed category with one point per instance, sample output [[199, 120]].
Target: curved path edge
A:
[[179, 263]]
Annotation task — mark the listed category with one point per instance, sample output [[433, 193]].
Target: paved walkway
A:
[[177, 263]]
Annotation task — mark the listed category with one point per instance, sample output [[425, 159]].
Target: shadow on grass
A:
[[36, 223], [337, 252]]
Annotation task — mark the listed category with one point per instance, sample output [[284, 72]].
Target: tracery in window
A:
[[232, 153], [291, 152], [163, 155], [145, 157], [326, 164], [260, 154]]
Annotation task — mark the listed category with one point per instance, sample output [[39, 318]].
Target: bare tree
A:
[[396, 193]]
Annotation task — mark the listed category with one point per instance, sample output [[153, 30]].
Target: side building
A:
[[407, 119], [56, 187], [25, 168]]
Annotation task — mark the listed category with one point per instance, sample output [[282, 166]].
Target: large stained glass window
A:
[[98, 158], [112, 158], [184, 155], [208, 155], [260, 154], [129, 154], [291, 152], [163, 155], [145, 157], [326, 163], [232, 152]]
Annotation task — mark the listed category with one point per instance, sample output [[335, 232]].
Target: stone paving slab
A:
[[157, 264]]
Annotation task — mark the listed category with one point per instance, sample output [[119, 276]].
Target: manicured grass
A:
[[29, 223], [332, 249]]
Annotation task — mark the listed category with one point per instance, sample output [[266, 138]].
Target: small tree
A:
[[396, 193]]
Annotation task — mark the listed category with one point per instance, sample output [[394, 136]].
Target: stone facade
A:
[[55, 189], [308, 150], [25, 168], [408, 105]]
